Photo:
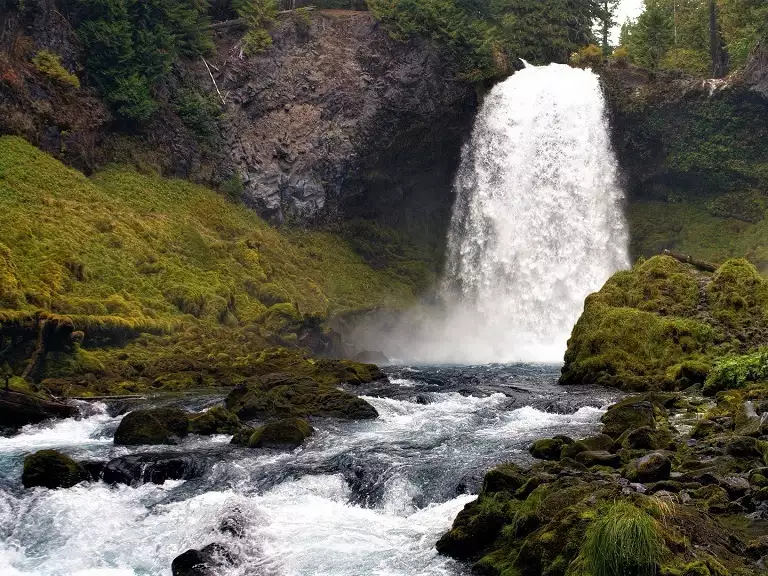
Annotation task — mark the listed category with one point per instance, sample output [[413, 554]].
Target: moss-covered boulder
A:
[[549, 448], [598, 442], [216, 420], [153, 426], [629, 414], [662, 324], [282, 395], [647, 438], [507, 477], [599, 458], [52, 469], [653, 467], [287, 433]]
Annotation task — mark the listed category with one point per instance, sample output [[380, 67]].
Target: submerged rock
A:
[[152, 468], [204, 562], [52, 469], [282, 395], [152, 426], [283, 434], [216, 420]]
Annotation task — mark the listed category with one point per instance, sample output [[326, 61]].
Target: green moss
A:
[[286, 433], [734, 372], [49, 64], [52, 469], [216, 420], [623, 540]]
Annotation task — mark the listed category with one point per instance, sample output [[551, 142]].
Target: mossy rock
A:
[[282, 395], [598, 442], [284, 434], [216, 420], [548, 448], [653, 467], [629, 414], [152, 426], [647, 438], [506, 477], [476, 527], [52, 469], [591, 458]]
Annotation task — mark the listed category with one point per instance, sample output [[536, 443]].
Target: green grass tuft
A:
[[623, 541]]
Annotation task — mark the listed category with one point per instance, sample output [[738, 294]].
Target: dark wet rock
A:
[[216, 420], [504, 478], [152, 426], [592, 443], [743, 447], [94, 468], [652, 467], [666, 486], [18, 409], [474, 528], [736, 486], [52, 469], [154, 468], [282, 395], [288, 433], [647, 438], [372, 357], [208, 561], [706, 428], [548, 448], [599, 458], [242, 436], [234, 523], [628, 414]]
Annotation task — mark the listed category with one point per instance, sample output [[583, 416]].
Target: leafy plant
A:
[[623, 540], [49, 64], [197, 111], [737, 371]]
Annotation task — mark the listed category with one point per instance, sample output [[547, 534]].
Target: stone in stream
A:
[[287, 433], [549, 448], [152, 426], [52, 469], [204, 562], [216, 420], [593, 443], [137, 469], [652, 467]]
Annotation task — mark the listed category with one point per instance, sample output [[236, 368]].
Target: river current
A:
[[358, 498]]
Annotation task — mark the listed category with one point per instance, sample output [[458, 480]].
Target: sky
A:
[[627, 9]]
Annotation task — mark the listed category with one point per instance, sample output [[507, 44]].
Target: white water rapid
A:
[[537, 225]]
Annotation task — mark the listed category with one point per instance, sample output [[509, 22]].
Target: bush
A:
[[622, 540], [197, 112], [233, 187], [620, 56], [259, 15], [589, 56], [737, 371], [694, 62], [49, 64]]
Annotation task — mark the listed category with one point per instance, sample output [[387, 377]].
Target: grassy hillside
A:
[[124, 253]]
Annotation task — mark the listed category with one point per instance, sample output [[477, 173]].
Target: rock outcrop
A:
[[52, 469]]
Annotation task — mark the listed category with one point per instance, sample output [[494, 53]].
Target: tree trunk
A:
[[684, 258], [716, 50]]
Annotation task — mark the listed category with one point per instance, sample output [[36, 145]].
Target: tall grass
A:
[[622, 541]]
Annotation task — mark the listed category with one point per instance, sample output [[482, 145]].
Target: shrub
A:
[[737, 371], [694, 62], [622, 540], [49, 64], [589, 56], [197, 112], [259, 15], [233, 187], [620, 56]]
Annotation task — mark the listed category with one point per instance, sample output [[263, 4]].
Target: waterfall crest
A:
[[537, 226]]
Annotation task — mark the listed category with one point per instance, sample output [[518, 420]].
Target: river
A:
[[358, 498]]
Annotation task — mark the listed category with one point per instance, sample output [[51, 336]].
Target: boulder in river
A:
[[288, 433], [282, 395], [204, 562], [52, 469], [152, 468], [216, 420], [549, 448], [652, 467], [592, 443], [152, 426]]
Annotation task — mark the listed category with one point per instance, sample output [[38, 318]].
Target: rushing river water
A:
[[358, 498]]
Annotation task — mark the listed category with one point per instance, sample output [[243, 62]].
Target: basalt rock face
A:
[[338, 117]]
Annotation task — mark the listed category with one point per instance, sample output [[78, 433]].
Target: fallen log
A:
[[686, 259]]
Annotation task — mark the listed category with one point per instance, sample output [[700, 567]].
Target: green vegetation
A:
[[130, 47], [623, 540], [674, 35], [738, 371], [487, 39], [49, 64], [259, 15], [124, 253]]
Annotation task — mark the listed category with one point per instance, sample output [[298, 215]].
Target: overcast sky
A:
[[627, 9]]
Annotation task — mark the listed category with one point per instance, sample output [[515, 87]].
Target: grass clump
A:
[[623, 540], [49, 64]]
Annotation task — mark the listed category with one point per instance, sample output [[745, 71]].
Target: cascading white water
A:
[[537, 222]]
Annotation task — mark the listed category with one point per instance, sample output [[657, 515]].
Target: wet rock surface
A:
[[18, 409], [52, 469], [156, 468]]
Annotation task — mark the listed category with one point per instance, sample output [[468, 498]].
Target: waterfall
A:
[[537, 222]]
